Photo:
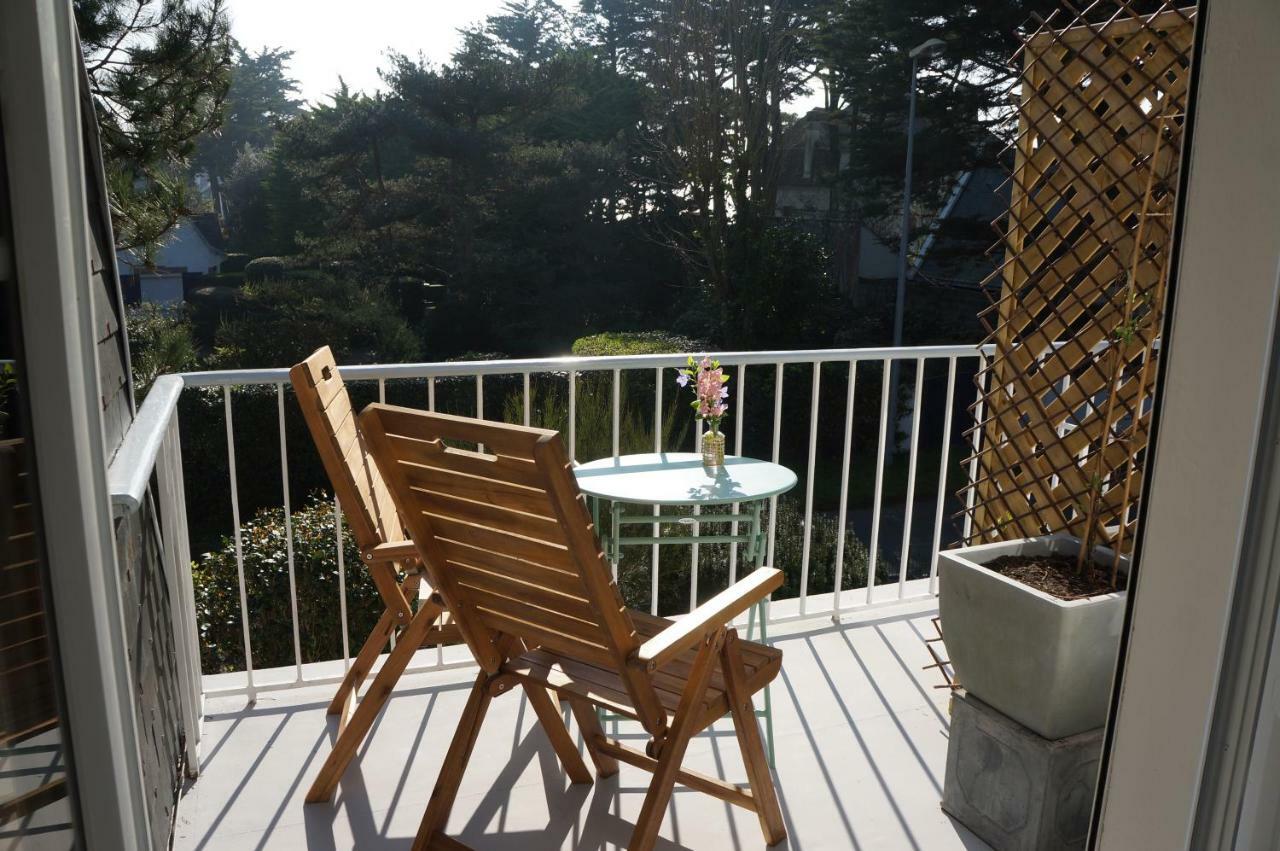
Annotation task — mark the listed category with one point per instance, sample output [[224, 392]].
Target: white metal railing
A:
[[152, 450], [572, 369]]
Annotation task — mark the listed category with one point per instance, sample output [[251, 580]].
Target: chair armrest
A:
[[396, 551], [707, 618]]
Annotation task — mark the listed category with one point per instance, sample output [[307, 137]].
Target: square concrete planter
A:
[[1046, 663], [1017, 791]]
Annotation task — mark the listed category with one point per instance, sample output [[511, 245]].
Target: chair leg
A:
[[435, 819], [356, 729], [369, 652], [553, 722], [748, 730], [683, 728], [589, 723]]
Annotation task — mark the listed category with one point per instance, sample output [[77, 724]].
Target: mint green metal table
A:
[[639, 487]]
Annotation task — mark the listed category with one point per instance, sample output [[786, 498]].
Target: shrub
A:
[[235, 263], [266, 575], [224, 279], [161, 341], [636, 343], [278, 323], [262, 269]]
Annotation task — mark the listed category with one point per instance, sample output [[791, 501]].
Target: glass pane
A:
[[36, 808]]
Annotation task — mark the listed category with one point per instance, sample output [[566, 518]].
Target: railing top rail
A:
[[515, 366], [130, 469]]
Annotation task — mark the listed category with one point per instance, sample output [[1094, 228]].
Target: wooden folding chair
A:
[[510, 548], [372, 517]]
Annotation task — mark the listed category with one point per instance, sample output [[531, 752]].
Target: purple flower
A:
[[683, 379]]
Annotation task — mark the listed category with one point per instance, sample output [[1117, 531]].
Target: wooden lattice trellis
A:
[[1064, 403]]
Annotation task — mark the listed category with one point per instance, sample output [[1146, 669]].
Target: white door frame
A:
[[1217, 352], [39, 97]]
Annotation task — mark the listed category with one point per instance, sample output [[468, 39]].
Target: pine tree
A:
[[158, 72], [260, 98]]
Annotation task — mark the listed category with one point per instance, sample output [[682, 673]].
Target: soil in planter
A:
[[1056, 575]]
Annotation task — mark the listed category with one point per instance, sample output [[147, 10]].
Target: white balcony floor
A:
[[860, 732]]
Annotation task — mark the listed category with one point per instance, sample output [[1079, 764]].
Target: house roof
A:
[[208, 226], [957, 252]]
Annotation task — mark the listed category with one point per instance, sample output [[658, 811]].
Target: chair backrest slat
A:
[[506, 534], [326, 407]]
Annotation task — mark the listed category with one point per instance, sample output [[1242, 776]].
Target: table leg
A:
[[758, 551], [615, 554]]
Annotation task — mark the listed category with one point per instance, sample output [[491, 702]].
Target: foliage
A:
[[278, 323], [262, 269], [235, 262], [158, 75], [266, 577], [717, 77], [635, 574], [614, 343], [8, 398], [963, 105], [260, 98], [161, 341], [785, 295], [593, 427]]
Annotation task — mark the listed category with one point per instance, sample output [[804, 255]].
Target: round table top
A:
[[678, 478]]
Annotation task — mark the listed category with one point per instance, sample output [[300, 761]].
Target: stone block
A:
[[1015, 789]]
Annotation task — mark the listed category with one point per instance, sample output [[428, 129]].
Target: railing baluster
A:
[[617, 411], [235, 520], [573, 416], [808, 487], [527, 401], [288, 533], [911, 480], [873, 550], [740, 391], [342, 583], [942, 475], [977, 443], [177, 563], [693, 550], [479, 404], [478, 371], [842, 521], [657, 527], [777, 450]]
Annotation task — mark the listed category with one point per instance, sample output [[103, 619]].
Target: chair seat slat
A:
[[484, 538], [436, 455]]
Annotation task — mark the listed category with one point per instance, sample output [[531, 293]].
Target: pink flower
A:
[[708, 383]]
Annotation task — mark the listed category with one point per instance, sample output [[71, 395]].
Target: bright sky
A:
[[332, 38]]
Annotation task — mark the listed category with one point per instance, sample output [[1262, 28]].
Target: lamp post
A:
[[928, 50]]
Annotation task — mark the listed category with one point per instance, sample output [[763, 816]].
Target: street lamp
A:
[[927, 50]]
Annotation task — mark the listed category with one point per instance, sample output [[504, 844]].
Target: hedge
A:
[[266, 575]]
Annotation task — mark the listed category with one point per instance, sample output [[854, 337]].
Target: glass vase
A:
[[712, 450]]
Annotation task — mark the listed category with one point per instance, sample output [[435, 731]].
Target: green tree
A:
[[158, 74], [161, 342], [489, 194], [278, 323], [963, 108], [260, 98]]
